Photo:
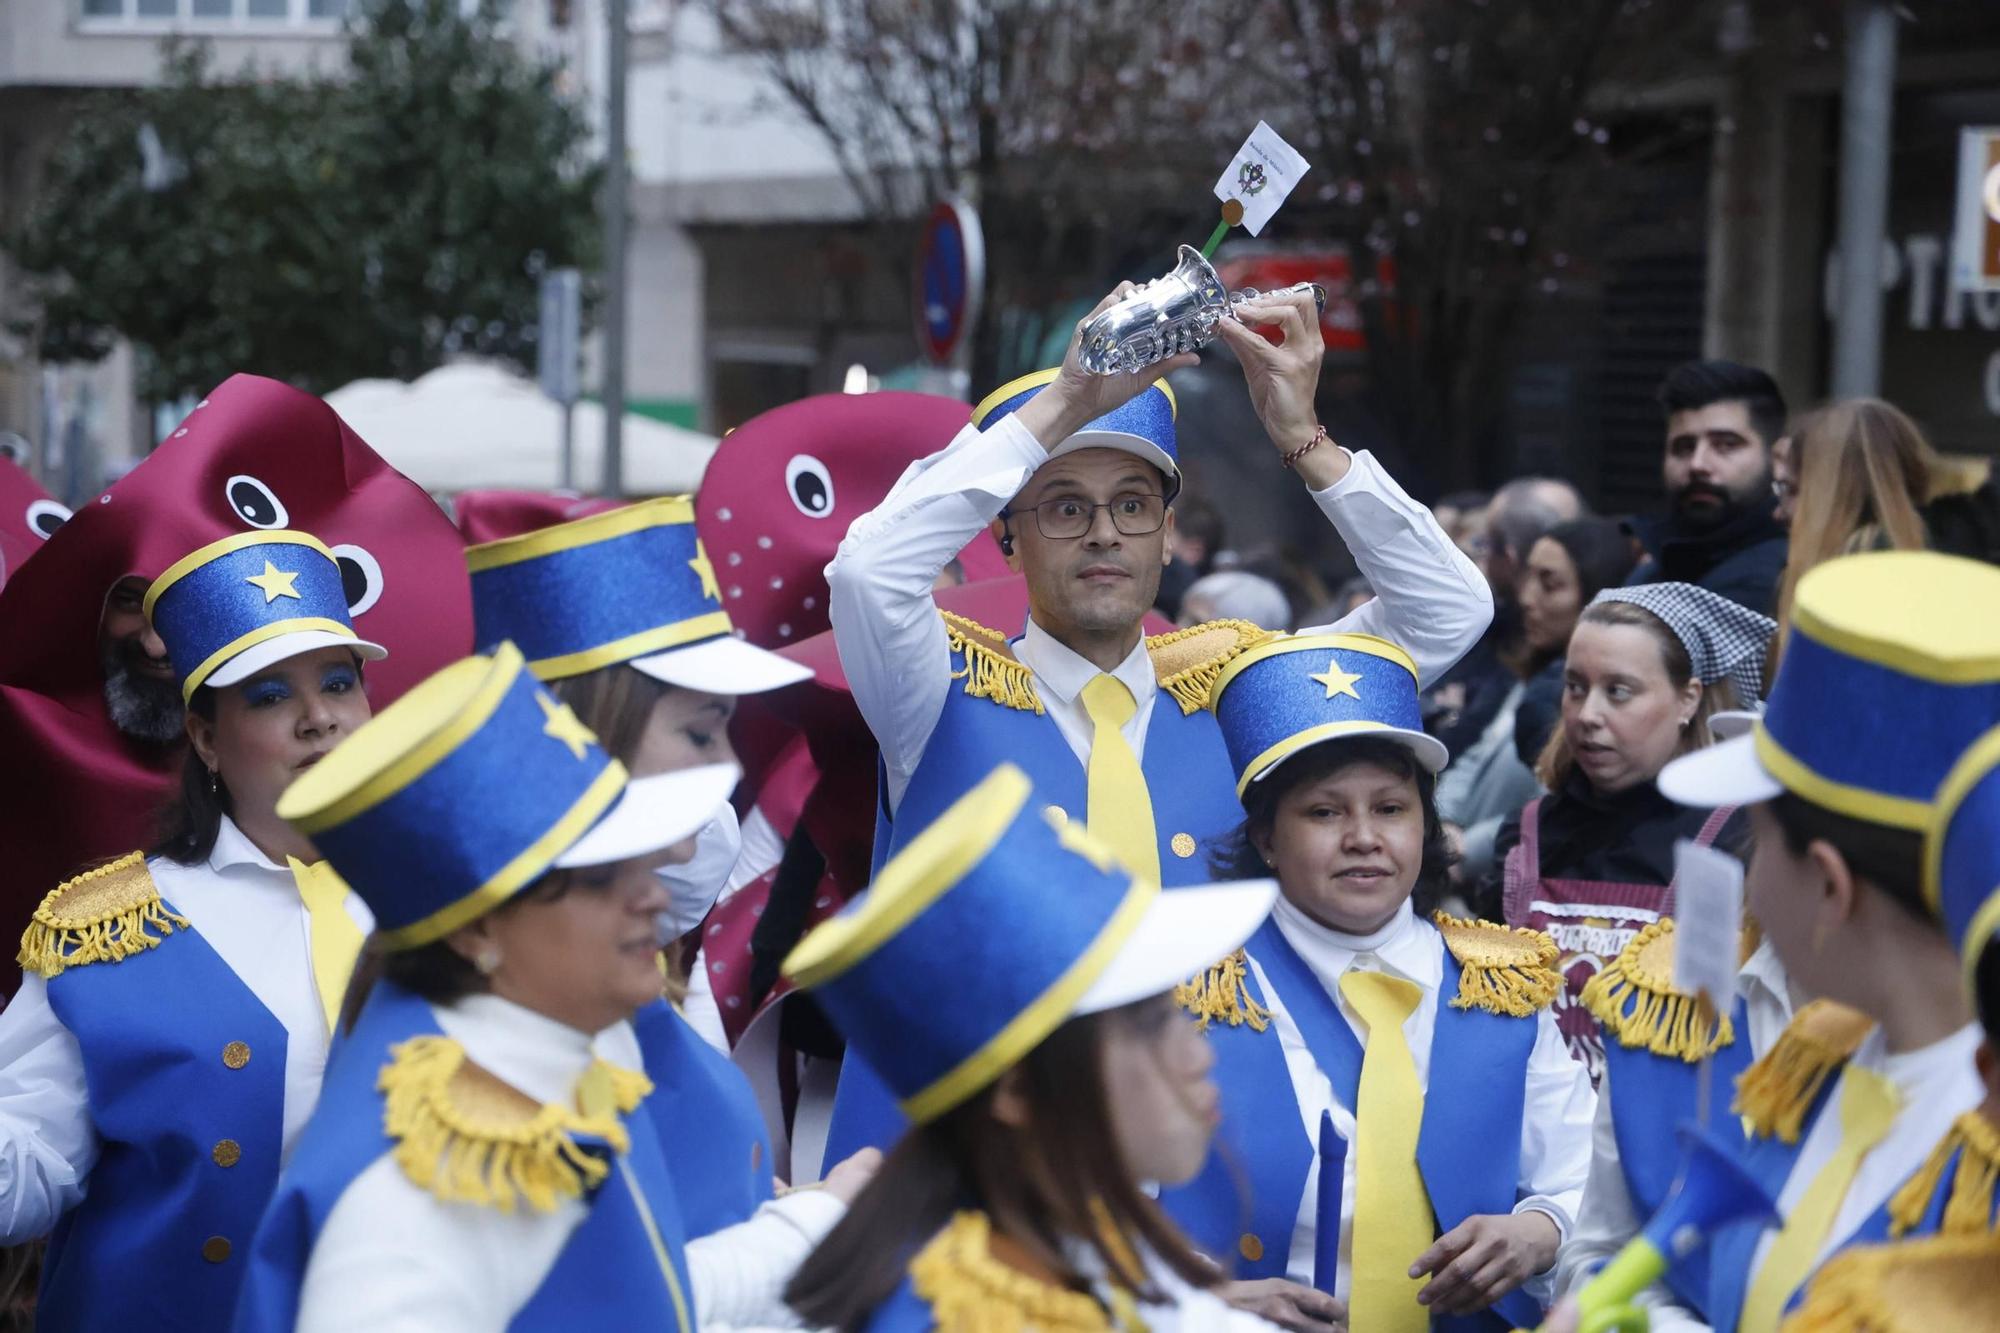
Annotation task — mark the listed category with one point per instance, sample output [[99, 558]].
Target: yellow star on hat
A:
[[565, 726], [700, 565], [275, 583], [1338, 681]]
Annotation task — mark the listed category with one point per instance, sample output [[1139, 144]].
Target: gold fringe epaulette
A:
[[970, 1291], [1502, 969], [1774, 1094], [1914, 1286], [1634, 999], [464, 1136], [101, 916], [1189, 661], [1222, 994], [991, 669], [1968, 1210]]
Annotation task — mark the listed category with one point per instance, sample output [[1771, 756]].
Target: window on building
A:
[[215, 13]]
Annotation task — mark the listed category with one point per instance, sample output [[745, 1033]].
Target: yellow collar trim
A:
[[1635, 1000], [1222, 994], [1913, 1287], [1774, 1093], [1503, 970], [969, 1291], [1187, 662], [464, 1136], [101, 916], [1968, 1210], [991, 669]]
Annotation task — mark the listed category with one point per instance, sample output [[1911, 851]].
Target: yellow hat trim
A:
[[101, 916], [1190, 662], [1635, 1000], [991, 669], [1502, 969], [1222, 994], [969, 1291], [1919, 1286], [1969, 1209], [463, 1136], [1774, 1094]]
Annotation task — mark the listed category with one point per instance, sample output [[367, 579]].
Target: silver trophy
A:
[[1174, 313]]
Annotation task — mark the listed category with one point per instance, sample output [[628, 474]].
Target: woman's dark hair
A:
[[1986, 990], [1601, 550], [616, 702], [1058, 1181], [1238, 857], [1889, 858], [187, 825]]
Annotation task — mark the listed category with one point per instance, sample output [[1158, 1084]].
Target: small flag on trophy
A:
[[1264, 171]]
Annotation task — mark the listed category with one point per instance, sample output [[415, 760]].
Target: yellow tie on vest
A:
[[1392, 1211], [336, 940], [1867, 1108], [1120, 811]]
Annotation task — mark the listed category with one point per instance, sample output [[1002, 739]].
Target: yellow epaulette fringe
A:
[[1969, 1209], [1919, 1286], [1222, 994], [991, 670], [1501, 969], [101, 916], [1189, 661], [1634, 999], [463, 1136], [969, 1291], [1774, 1094]]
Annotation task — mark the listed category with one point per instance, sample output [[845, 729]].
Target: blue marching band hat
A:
[[1299, 690], [235, 606], [1025, 922], [1888, 668], [631, 586], [470, 787], [1143, 426], [1962, 853]]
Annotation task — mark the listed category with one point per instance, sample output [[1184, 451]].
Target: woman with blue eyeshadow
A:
[[167, 1043]]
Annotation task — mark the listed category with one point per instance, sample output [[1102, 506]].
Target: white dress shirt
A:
[[1609, 1218], [1430, 599], [1557, 1103], [393, 1257], [249, 911]]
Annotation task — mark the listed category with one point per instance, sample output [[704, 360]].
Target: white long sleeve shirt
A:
[[248, 910], [1430, 600], [1609, 1218], [1557, 1101], [392, 1258]]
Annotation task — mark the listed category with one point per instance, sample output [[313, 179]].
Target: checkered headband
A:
[[1723, 640]]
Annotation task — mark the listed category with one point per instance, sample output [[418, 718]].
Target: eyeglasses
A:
[[1134, 515]]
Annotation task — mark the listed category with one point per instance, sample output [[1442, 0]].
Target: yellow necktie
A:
[[1120, 813], [1867, 1109], [1392, 1211], [336, 940], [595, 1096]]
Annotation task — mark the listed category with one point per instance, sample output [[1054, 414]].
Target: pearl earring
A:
[[487, 961]]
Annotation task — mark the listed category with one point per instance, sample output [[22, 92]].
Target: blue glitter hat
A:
[[1889, 667], [1301, 690], [1143, 426], [235, 606], [630, 585], [1962, 852], [473, 785], [993, 927]]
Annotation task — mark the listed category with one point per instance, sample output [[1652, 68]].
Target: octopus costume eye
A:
[[254, 502], [360, 577], [45, 516], [810, 485]]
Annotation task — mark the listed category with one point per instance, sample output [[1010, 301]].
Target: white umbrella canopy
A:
[[474, 425]]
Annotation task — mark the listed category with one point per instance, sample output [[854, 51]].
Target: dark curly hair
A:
[[1238, 858]]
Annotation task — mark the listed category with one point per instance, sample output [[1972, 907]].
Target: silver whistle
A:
[[1177, 312]]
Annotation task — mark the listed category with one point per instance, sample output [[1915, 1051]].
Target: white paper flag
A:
[[1708, 922], [1264, 172]]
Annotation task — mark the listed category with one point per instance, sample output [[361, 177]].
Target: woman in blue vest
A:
[[1008, 979], [482, 1157], [166, 1047], [1885, 676], [1396, 1094]]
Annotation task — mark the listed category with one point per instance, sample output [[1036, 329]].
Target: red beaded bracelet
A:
[[1295, 455]]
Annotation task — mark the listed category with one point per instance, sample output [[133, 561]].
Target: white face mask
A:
[[697, 883]]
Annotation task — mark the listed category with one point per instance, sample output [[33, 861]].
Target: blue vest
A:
[[1187, 771], [712, 1132], [1246, 1200], [1653, 1095], [185, 1070], [608, 1266]]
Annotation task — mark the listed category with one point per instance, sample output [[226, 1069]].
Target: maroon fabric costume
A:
[[487, 516], [29, 515], [255, 453]]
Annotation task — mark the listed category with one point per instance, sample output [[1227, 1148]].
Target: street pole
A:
[[1867, 99], [615, 183]]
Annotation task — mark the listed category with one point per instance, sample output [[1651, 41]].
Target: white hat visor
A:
[[1182, 932], [1726, 774], [723, 665], [276, 649], [1730, 723], [1124, 442], [652, 813], [1430, 752]]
